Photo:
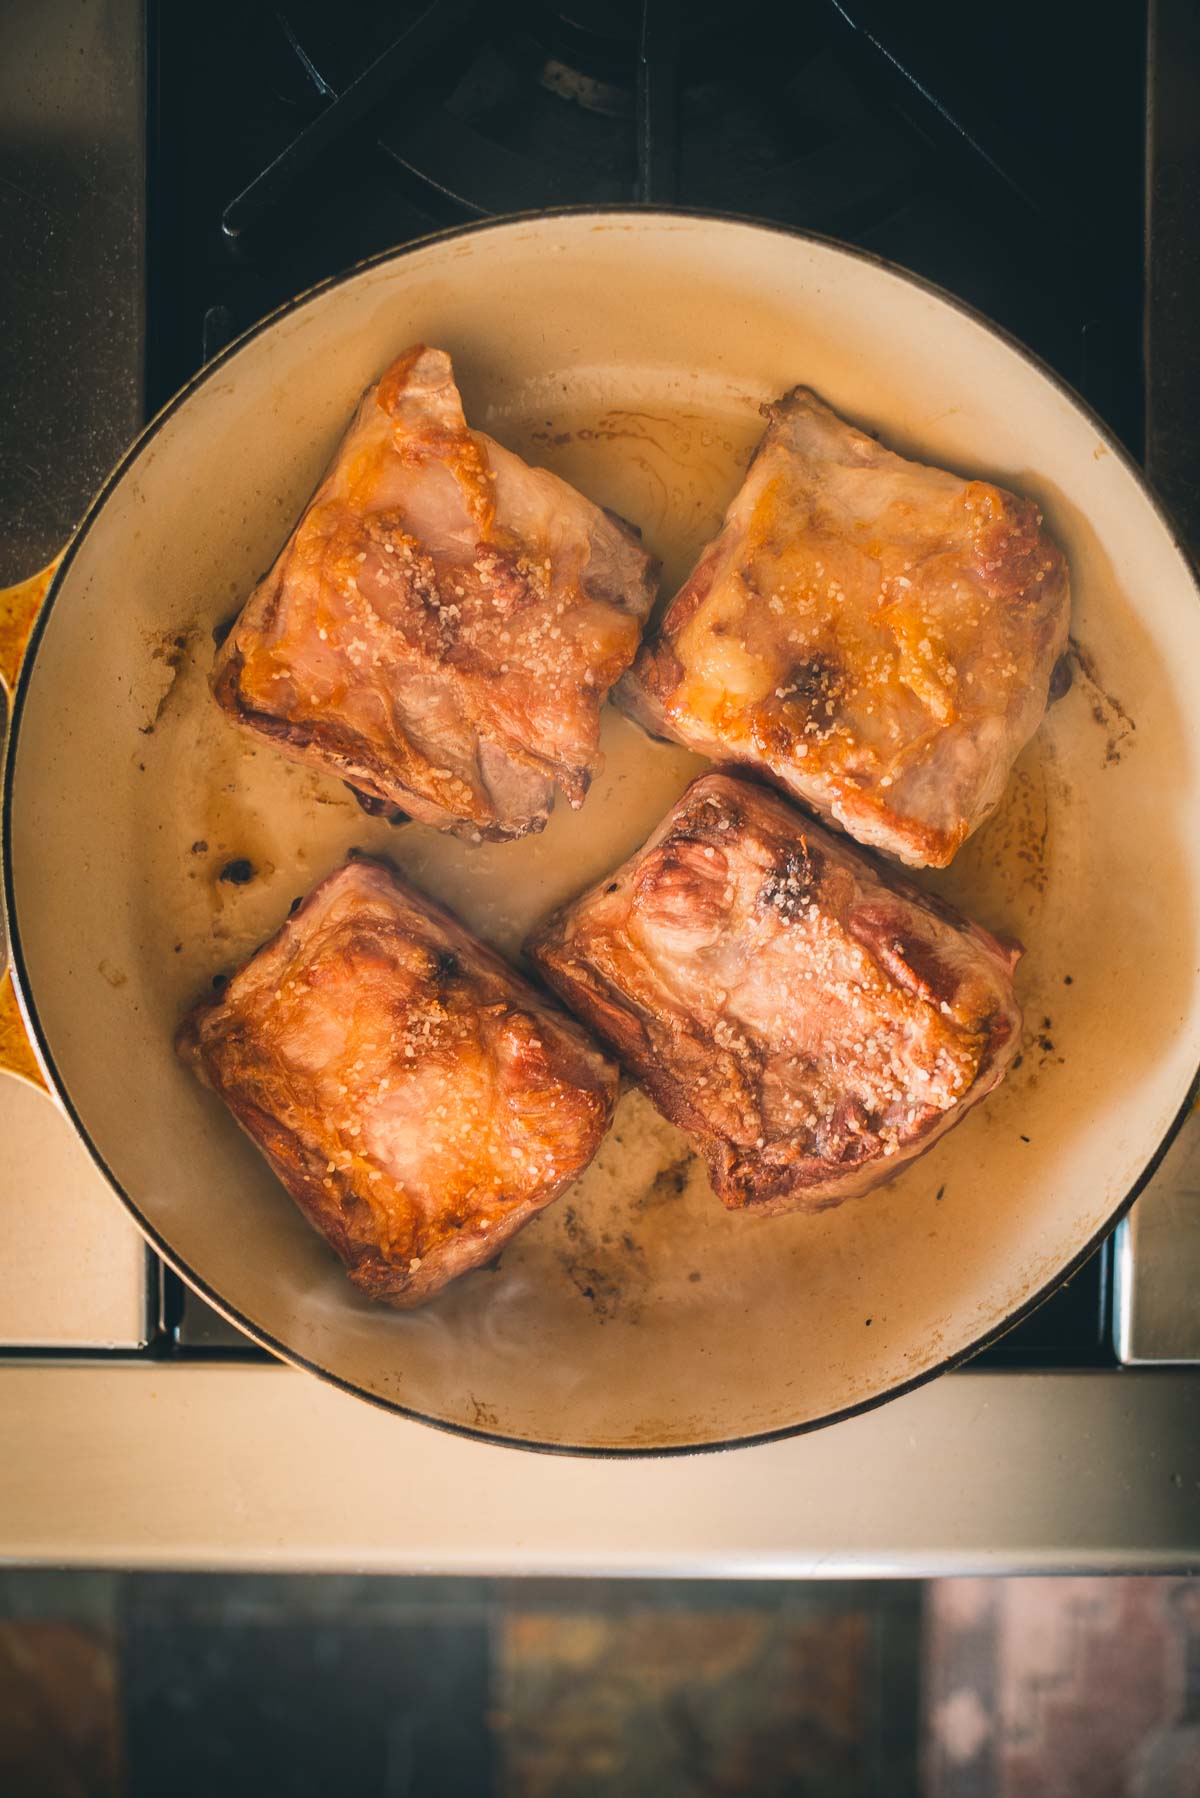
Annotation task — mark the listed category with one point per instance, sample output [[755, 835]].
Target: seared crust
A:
[[803, 1013], [443, 624], [875, 635], [418, 1099]]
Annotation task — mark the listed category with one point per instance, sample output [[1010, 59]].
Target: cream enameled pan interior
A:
[[630, 353]]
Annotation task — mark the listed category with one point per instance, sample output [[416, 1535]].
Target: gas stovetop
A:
[[837, 118], [244, 154]]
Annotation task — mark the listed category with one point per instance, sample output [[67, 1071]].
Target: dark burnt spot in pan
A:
[[375, 806], [238, 872], [221, 631], [608, 1274], [1061, 676], [370, 803], [170, 647], [668, 1185], [603, 1291]]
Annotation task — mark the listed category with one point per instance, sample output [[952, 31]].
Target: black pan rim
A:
[[23, 987]]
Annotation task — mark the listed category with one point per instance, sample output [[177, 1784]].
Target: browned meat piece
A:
[[810, 1019], [418, 1099], [442, 626], [877, 635]]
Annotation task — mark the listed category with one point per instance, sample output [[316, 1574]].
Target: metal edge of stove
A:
[[1156, 1310], [1156, 1303]]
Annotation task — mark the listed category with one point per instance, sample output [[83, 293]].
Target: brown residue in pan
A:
[[590, 1271], [1016, 842], [608, 1270], [1106, 708], [669, 1184], [483, 1416], [1036, 1039], [628, 425], [171, 648]]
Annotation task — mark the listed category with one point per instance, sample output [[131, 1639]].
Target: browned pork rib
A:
[[418, 1099], [809, 1019], [442, 626], [876, 635]]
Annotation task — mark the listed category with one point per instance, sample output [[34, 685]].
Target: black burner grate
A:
[[320, 135]]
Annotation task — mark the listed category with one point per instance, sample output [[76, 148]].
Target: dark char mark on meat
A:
[[791, 883]]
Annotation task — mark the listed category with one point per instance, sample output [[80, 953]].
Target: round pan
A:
[[630, 352]]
